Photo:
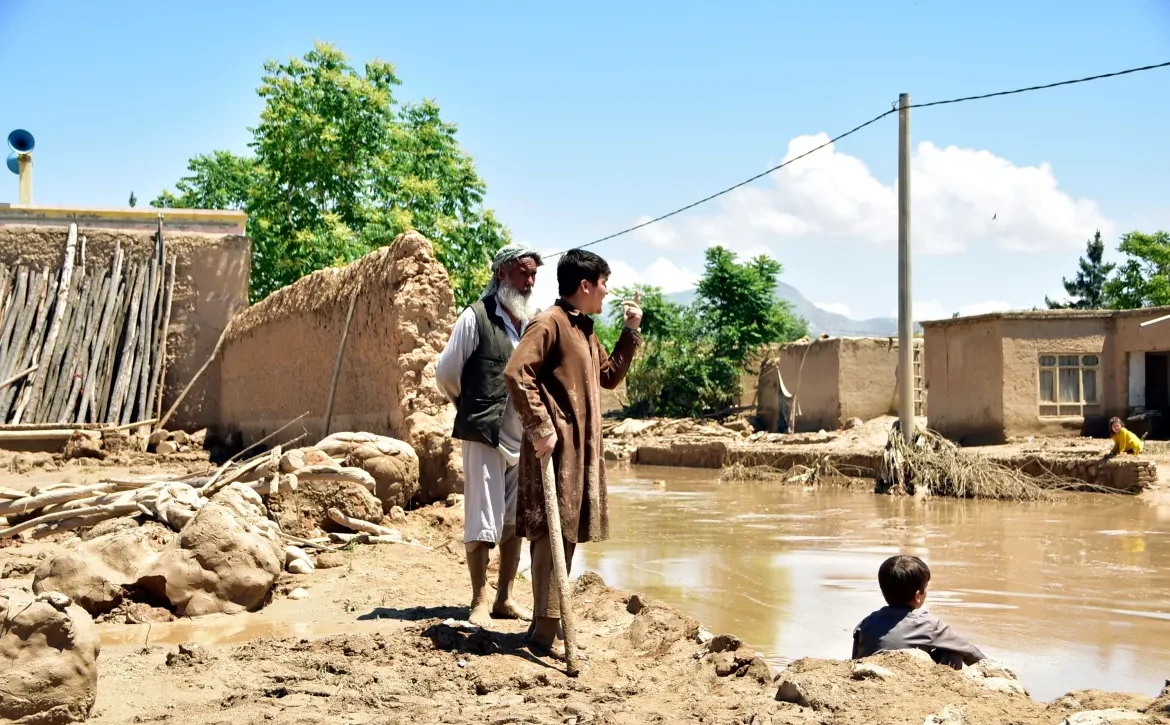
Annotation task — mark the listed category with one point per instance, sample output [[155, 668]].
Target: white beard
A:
[[516, 302]]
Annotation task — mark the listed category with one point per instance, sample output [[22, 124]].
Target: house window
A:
[[1068, 383]]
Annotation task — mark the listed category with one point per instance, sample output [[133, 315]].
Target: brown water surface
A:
[[1071, 595]]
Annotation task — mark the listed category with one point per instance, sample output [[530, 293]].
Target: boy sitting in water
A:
[[903, 625], [1124, 441]]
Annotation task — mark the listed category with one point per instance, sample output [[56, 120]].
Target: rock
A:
[[397, 514], [297, 566], [184, 449], [792, 691], [724, 643], [739, 425], [704, 637], [198, 439], [1003, 684], [188, 654], [109, 526], [631, 427], [1104, 717], [989, 668], [394, 466], [725, 664], [180, 438], [95, 574], [636, 604], [299, 458], [870, 671], [299, 593], [157, 437], [48, 659], [166, 448], [293, 553], [330, 560], [454, 499], [84, 444], [758, 670], [949, 715], [19, 567], [305, 511], [852, 424], [913, 654], [230, 558]]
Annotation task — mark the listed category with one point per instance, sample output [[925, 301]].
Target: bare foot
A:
[[511, 610], [481, 614], [554, 651]]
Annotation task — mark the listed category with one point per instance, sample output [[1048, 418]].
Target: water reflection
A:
[[1072, 595]]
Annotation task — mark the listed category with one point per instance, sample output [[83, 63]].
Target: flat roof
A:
[[208, 221], [1048, 315]]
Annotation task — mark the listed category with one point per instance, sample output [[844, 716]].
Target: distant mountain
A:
[[820, 321]]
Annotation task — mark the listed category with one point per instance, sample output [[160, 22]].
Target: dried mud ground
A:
[[372, 643]]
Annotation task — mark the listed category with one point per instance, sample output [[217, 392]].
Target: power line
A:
[[854, 130]]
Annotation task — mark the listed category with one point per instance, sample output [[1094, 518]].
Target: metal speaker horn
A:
[[14, 163], [21, 141]]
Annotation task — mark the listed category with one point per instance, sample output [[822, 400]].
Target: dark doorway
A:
[[1158, 392]]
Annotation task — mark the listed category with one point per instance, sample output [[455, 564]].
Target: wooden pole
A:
[[27, 317], [60, 307], [96, 354], [126, 364], [552, 512], [32, 352], [18, 376], [337, 366], [160, 382]]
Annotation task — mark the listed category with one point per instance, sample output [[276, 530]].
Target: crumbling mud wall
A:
[[279, 355], [211, 285]]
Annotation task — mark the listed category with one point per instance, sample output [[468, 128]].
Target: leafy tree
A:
[[339, 168], [695, 355], [133, 200], [1086, 291], [1143, 280]]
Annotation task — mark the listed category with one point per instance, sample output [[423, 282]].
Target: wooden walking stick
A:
[[552, 513]]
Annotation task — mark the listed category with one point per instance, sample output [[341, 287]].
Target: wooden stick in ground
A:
[[20, 343], [65, 376], [105, 381], [126, 364], [110, 511], [337, 365], [158, 383], [12, 317], [154, 312], [60, 308], [144, 372], [552, 512], [34, 349], [214, 353], [89, 381]]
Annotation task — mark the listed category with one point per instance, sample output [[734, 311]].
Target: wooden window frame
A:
[[1057, 408]]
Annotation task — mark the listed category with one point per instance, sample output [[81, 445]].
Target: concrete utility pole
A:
[[905, 313]]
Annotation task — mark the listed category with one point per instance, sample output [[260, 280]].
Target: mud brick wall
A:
[[1123, 475], [279, 355], [211, 286]]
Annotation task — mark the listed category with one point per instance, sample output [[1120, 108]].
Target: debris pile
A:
[[214, 541], [85, 345]]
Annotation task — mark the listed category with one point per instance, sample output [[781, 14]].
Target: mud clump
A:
[[305, 511], [48, 659], [230, 558], [97, 573], [188, 654]]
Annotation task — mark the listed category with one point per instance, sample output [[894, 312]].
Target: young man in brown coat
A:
[[554, 378]]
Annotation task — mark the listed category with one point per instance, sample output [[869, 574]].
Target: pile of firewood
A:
[[85, 345]]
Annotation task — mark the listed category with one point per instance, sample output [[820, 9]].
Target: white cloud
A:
[[960, 198], [659, 235], [662, 272], [839, 308]]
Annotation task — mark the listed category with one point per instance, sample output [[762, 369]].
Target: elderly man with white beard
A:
[[470, 372]]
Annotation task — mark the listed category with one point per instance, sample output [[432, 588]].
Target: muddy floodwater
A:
[[1071, 595]]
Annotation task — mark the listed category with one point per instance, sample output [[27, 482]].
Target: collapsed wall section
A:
[[211, 285], [279, 355]]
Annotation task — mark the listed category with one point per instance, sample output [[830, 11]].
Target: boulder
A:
[[84, 444], [48, 659], [1105, 717], [301, 457], [394, 466], [870, 671], [230, 558], [96, 573], [305, 511]]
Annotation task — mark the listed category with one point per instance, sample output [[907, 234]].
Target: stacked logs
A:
[[85, 345]]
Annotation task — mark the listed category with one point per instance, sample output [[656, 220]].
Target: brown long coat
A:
[[554, 378]]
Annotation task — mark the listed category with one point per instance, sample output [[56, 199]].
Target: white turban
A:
[[508, 253]]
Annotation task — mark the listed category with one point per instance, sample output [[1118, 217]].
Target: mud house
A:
[[831, 380], [213, 263], [1003, 375]]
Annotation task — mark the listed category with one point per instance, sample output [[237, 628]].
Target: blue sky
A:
[[585, 119]]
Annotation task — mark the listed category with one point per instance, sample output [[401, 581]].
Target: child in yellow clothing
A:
[[1124, 441]]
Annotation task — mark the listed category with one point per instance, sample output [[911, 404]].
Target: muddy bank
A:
[[856, 451], [378, 639]]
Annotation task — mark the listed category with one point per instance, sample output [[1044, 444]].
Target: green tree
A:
[[339, 168], [1143, 279], [133, 200], [695, 355], [1086, 291]]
